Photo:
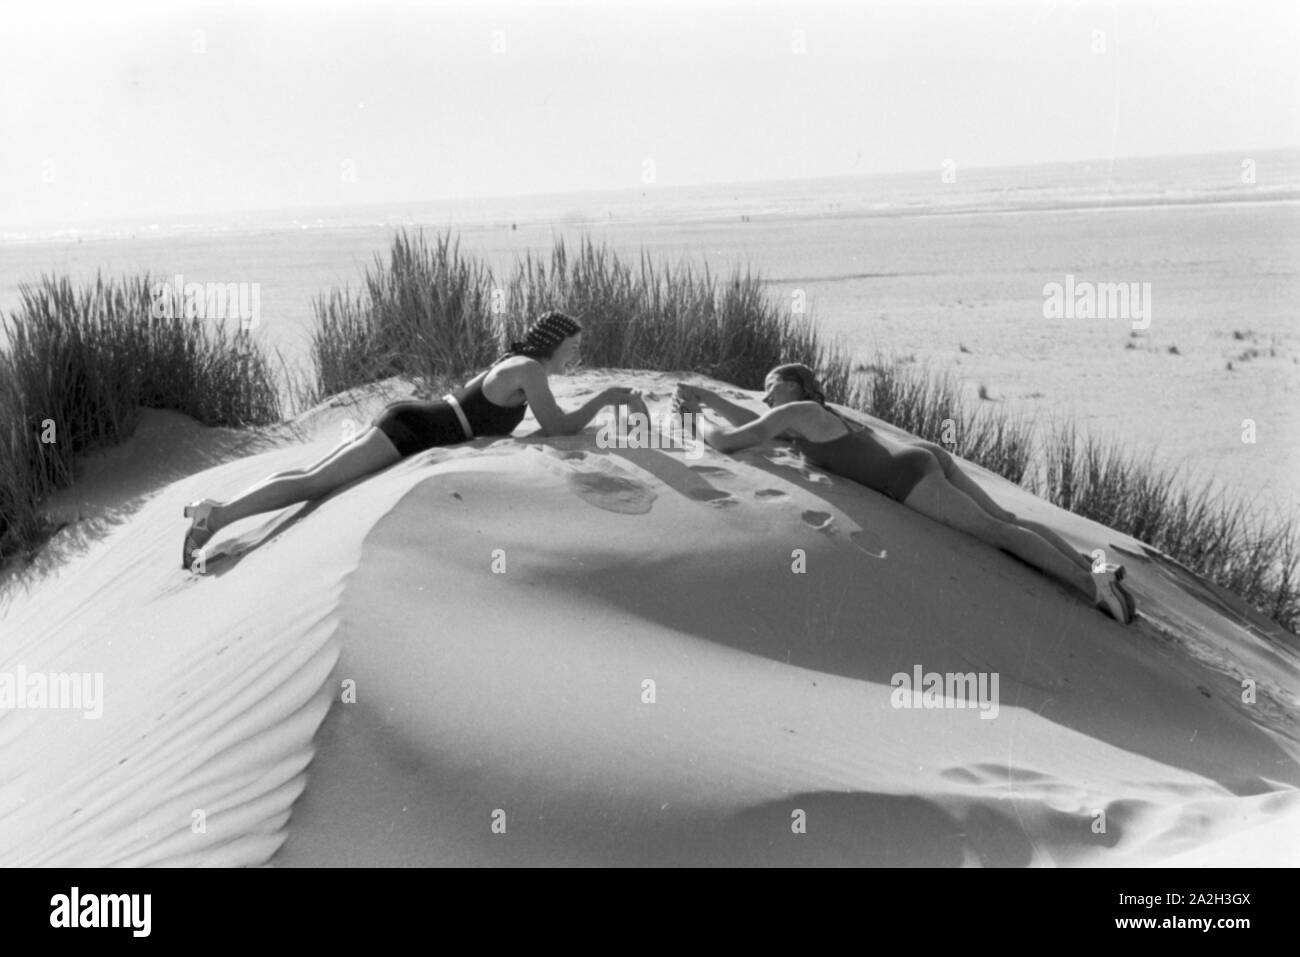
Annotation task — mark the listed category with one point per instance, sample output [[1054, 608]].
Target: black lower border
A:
[[943, 907]]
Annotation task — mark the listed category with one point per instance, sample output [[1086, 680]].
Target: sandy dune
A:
[[564, 654]]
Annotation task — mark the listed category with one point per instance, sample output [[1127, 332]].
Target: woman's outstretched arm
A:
[[769, 425], [735, 414], [553, 419]]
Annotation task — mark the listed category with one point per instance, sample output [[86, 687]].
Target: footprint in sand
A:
[[1001, 773], [714, 496], [962, 775], [613, 493], [770, 494], [821, 521], [869, 542], [783, 457], [601, 483], [995, 775], [712, 471]]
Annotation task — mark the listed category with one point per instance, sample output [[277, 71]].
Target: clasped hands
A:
[[687, 399]]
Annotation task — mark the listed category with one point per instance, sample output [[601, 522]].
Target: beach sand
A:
[[543, 652]]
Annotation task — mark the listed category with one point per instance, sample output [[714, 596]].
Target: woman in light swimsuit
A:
[[492, 403], [921, 475]]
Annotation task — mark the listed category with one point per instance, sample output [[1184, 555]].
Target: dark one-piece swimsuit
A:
[[860, 457], [414, 425]]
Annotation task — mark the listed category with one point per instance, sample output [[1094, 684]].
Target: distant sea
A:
[[946, 266]]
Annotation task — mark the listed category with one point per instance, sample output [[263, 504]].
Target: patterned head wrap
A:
[[544, 335]]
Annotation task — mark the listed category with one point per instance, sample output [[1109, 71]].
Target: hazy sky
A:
[[140, 109]]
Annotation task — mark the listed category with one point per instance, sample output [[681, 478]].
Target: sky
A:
[[138, 109]]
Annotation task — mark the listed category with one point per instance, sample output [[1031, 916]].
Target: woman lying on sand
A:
[[492, 403], [921, 475]]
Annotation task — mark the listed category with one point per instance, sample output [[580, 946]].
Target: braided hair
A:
[[543, 336]]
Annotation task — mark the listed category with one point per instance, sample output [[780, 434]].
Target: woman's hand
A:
[[637, 404], [619, 395], [686, 406], [687, 398], [631, 398]]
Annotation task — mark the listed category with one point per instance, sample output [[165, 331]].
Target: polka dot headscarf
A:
[[544, 335]]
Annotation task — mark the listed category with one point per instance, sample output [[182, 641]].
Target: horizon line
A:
[[73, 225]]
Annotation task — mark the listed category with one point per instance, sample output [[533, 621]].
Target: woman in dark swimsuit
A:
[[921, 475], [492, 403]]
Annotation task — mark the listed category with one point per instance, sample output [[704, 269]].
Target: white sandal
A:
[[199, 533], [1112, 597]]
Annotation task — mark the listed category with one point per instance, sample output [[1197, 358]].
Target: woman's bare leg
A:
[[937, 498], [969, 487], [294, 473], [370, 452]]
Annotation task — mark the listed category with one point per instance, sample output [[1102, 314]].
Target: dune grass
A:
[[670, 318], [426, 313], [430, 313], [929, 404], [79, 363], [85, 359], [1217, 535]]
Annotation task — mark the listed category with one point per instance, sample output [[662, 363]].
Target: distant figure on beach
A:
[[492, 403], [921, 475]]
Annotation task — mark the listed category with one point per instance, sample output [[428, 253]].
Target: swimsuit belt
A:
[[460, 414]]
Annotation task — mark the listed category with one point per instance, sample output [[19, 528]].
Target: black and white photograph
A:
[[650, 435]]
